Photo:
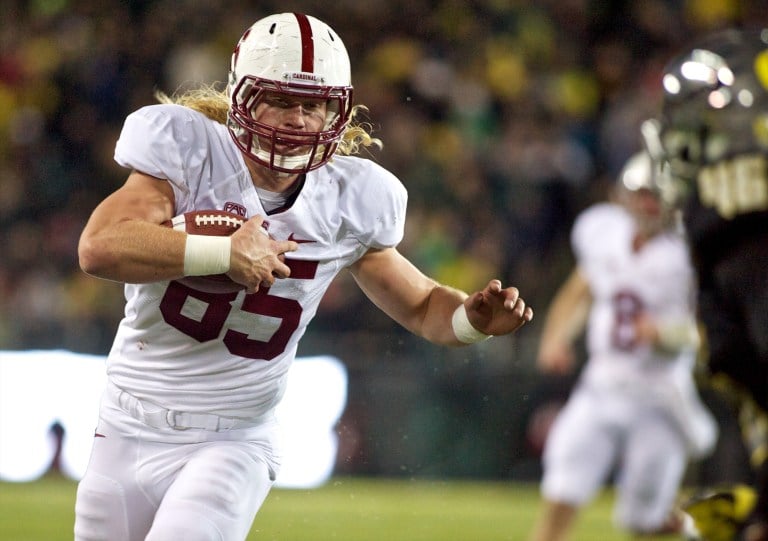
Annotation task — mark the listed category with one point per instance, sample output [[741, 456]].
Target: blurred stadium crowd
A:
[[503, 118]]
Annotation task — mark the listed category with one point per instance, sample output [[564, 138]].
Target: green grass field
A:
[[346, 509]]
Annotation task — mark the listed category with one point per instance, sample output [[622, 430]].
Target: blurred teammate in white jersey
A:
[[635, 410], [185, 446]]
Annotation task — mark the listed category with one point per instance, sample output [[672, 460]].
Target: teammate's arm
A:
[[670, 336], [565, 321], [426, 308]]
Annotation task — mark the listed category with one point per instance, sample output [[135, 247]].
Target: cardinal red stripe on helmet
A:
[[307, 44]]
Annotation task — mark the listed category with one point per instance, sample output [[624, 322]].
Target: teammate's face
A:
[[647, 209]]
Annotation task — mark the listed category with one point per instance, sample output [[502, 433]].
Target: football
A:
[[212, 223]]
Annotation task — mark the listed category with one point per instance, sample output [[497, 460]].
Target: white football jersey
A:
[[657, 279], [229, 354]]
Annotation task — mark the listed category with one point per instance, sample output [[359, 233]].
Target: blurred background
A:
[[503, 119]]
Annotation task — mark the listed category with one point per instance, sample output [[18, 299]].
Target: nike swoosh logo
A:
[[97, 435], [299, 241]]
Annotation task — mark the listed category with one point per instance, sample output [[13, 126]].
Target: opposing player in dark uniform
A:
[[712, 141]]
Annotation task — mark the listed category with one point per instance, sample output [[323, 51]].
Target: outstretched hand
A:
[[497, 311]]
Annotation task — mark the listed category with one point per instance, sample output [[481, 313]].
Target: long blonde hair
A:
[[214, 104]]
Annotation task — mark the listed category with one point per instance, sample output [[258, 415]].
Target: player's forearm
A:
[[556, 353], [437, 324], [569, 310], [566, 319], [424, 307], [133, 251], [404, 293]]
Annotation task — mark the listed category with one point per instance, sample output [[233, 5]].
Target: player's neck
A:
[[642, 237], [638, 241], [271, 181]]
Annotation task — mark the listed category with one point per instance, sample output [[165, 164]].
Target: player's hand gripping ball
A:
[[212, 223]]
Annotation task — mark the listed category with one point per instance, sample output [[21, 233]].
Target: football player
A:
[[635, 411], [185, 446], [712, 142]]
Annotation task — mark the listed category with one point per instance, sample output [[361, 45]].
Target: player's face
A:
[[647, 209], [298, 114]]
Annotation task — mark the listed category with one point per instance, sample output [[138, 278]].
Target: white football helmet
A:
[[637, 173], [299, 57], [640, 193]]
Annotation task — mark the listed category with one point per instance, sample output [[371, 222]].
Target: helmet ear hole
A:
[[686, 154]]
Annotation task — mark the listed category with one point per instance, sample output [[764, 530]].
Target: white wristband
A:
[[464, 330], [674, 337], [204, 255]]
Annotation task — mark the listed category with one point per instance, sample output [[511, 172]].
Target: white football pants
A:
[[592, 436], [164, 484]]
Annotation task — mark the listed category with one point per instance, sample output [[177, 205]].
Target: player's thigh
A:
[[215, 496], [579, 453], [110, 505], [654, 463]]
